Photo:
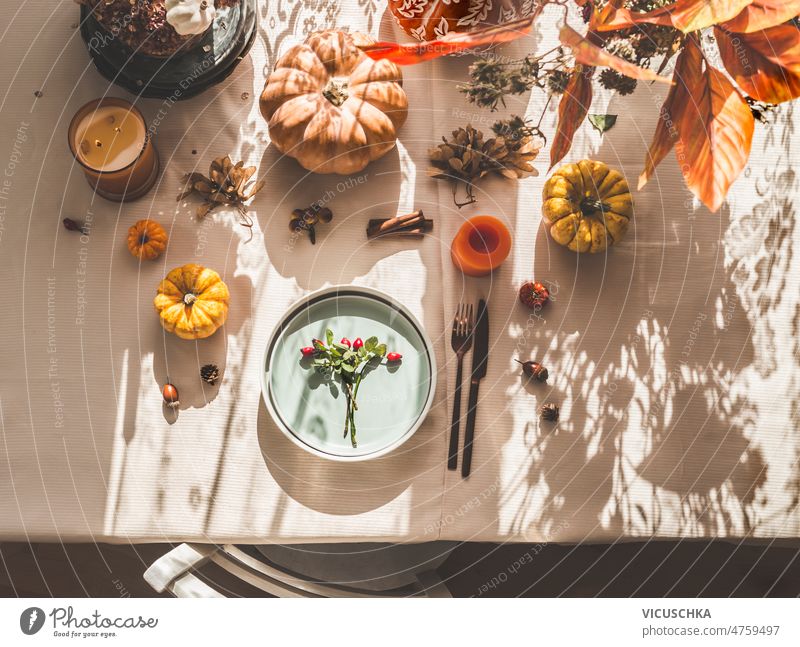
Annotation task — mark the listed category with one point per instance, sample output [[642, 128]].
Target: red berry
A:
[[394, 357], [533, 294], [357, 343], [308, 351], [345, 342]]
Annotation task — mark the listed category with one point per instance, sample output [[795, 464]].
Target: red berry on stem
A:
[[345, 342], [357, 343], [308, 351], [394, 357]]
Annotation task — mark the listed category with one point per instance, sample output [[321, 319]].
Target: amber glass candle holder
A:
[[481, 245], [110, 140]]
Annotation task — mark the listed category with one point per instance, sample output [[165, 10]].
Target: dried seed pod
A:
[[227, 184], [73, 225], [170, 395], [308, 218]]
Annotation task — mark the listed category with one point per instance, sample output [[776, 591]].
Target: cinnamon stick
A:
[[413, 231], [413, 223], [399, 221]]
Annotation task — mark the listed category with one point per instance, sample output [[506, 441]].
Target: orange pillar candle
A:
[[481, 245], [109, 139]]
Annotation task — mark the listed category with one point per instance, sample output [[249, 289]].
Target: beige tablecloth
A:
[[674, 358]]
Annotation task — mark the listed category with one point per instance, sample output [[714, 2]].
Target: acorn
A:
[[534, 370], [533, 294], [549, 412], [170, 395]]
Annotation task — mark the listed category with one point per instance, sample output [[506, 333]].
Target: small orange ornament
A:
[[147, 240]]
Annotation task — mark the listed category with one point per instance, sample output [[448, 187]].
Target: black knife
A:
[[480, 355]]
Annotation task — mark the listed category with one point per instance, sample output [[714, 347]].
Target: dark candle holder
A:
[[199, 64]]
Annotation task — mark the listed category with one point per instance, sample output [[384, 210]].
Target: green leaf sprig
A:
[[349, 364]]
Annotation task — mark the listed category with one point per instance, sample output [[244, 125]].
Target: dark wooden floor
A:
[[484, 570]]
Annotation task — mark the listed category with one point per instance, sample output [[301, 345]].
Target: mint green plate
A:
[[393, 400]]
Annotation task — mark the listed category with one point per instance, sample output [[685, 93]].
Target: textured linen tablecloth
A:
[[674, 358]]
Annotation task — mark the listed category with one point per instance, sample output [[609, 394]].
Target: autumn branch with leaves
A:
[[709, 114]]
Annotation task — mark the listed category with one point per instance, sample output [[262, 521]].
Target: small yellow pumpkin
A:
[[192, 302], [147, 240], [587, 205]]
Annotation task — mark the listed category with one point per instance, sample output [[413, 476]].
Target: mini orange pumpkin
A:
[[192, 301], [147, 240]]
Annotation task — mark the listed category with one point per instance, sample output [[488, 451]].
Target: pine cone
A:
[[467, 157], [550, 412], [210, 373]]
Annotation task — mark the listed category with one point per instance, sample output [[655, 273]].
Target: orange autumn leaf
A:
[[688, 65], [714, 136], [745, 15], [572, 110], [765, 64], [691, 15], [588, 53], [613, 18], [412, 53], [763, 14]]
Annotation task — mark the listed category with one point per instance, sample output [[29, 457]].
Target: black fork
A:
[[461, 341]]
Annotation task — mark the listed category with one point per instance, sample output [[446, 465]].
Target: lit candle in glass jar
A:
[[109, 139]]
